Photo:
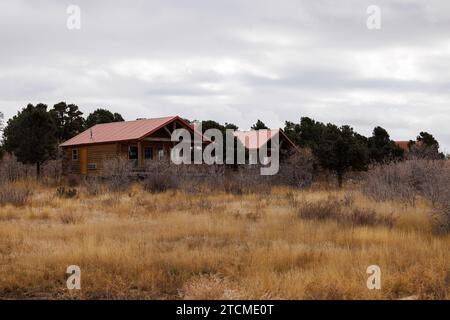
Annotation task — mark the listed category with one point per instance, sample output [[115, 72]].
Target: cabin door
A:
[[83, 160]]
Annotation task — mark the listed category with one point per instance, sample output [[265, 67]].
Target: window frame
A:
[[75, 154], [161, 153], [137, 152], [151, 153], [92, 166]]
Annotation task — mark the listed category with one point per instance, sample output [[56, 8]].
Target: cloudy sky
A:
[[235, 61]]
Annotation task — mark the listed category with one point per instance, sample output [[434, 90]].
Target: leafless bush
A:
[[118, 171], [431, 179], [157, 182], [319, 210], [64, 192], [442, 214], [52, 169], [331, 209], [94, 186], [70, 218], [389, 182], [14, 194], [368, 217], [406, 180], [297, 170], [73, 180], [421, 151], [247, 179], [161, 176], [233, 184], [12, 170]]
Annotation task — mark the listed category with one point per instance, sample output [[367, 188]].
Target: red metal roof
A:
[[255, 139], [403, 145], [121, 131]]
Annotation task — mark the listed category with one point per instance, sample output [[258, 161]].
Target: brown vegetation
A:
[[178, 245], [222, 240], [407, 181]]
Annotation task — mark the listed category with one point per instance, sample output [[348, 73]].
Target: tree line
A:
[[340, 149], [34, 133]]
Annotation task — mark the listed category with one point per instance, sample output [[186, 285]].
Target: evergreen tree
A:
[[259, 125], [102, 116], [68, 119], [382, 148], [31, 135], [338, 149]]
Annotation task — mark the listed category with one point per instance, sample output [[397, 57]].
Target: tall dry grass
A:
[[219, 245]]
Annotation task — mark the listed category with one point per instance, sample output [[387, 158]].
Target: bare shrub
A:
[[431, 179], [368, 217], [11, 170], [407, 180], [423, 151], [52, 169], [208, 287], [70, 218], [297, 170], [93, 186], [14, 194], [389, 182], [161, 176], [233, 185], [73, 180], [442, 215], [331, 209], [319, 210], [64, 192], [118, 171], [157, 183], [244, 181]]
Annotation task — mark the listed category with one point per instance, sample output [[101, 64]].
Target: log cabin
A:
[[139, 141]]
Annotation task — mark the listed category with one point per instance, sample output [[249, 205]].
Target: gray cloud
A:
[[235, 61]]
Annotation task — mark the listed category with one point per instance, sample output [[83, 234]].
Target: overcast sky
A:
[[235, 61]]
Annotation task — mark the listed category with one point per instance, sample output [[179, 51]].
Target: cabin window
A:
[[148, 153], [74, 154], [160, 153], [92, 166], [132, 152]]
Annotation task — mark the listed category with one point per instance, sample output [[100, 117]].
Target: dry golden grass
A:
[[176, 245]]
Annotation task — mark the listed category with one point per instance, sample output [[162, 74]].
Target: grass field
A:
[[281, 244]]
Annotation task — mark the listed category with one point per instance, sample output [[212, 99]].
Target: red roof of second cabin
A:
[[403, 145], [255, 139], [121, 131]]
